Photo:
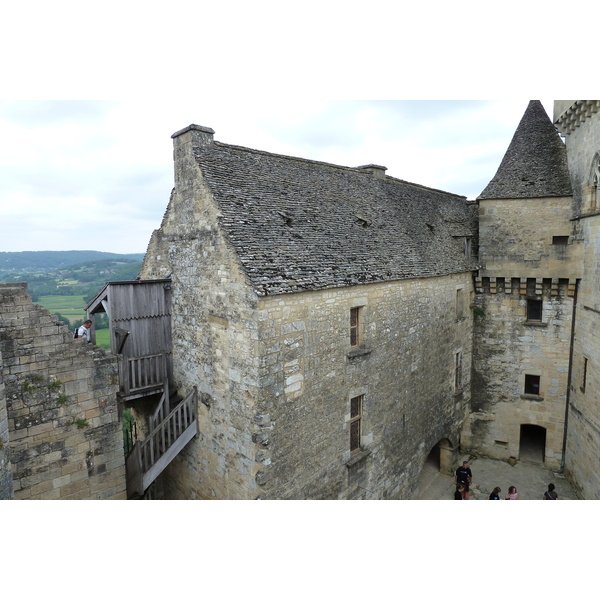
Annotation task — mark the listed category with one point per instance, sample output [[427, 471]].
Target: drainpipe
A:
[[569, 377]]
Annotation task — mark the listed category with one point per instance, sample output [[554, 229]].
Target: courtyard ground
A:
[[530, 478]]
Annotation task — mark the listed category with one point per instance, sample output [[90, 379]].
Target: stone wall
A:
[[215, 333], [6, 487], [516, 238], [404, 369], [508, 347], [63, 426], [583, 434]]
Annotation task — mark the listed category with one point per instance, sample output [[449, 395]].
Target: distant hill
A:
[[47, 261]]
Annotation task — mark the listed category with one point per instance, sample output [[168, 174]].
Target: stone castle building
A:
[[340, 327]]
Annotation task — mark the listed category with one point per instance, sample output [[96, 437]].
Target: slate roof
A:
[[298, 224], [535, 164]]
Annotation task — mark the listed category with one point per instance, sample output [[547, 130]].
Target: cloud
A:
[[98, 174]]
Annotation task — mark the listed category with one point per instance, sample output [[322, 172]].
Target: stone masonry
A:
[[58, 400]]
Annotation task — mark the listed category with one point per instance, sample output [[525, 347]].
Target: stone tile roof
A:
[[298, 224], [535, 164]]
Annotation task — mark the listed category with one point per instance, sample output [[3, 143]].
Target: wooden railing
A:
[[166, 439], [142, 373]]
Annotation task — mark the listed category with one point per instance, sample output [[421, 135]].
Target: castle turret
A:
[[530, 258]]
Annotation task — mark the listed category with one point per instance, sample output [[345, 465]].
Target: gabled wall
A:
[[215, 339]]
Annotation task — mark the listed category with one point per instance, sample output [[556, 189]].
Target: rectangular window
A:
[[458, 371], [534, 310], [584, 374], [460, 303], [355, 318], [355, 422], [468, 247], [560, 240], [532, 385]]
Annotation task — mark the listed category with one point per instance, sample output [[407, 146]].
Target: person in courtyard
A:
[[512, 493], [84, 331], [460, 490], [551, 494], [463, 475], [495, 495]]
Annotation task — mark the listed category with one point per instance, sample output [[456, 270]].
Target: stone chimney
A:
[[199, 136], [375, 170], [184, 142]]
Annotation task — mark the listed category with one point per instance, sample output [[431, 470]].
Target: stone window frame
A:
[[458, 371], [532, 381], [584, 371], [460, 303], [356, 332], [355, 423], [356, 327], [532, 313]]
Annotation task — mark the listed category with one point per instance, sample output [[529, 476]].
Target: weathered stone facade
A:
[[579, 121], [264, 320], [64, 434], [6, 487]]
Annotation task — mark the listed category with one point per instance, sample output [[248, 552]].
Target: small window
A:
[[355, 325], [532, 385], [560, 240], [355, 422], [534, 310], [460, 304], [467, 247], [584, 374], [458, 371]]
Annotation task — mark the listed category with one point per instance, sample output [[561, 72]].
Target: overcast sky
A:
[[97, 175]]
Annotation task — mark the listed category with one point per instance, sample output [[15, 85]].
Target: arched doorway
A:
[[532, 444]]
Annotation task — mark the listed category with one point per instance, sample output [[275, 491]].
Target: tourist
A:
[[459, 493], [84, 331], [512, 493], [550, 494], [495, 495], [463, 475]]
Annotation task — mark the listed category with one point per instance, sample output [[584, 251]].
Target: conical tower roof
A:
[[535, 164]]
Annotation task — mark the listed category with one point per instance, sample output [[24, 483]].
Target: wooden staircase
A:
[[170, 431]]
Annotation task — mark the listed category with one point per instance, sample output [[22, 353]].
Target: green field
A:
[[103, 338], [70, 307]]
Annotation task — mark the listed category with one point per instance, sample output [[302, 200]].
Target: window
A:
[[560, 240], [355, 326], [468, 247], [458, 371], [460, 303], [532, 385], [355, 422], [584, 374], [534, 310]]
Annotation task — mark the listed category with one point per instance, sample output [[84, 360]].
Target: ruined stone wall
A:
[[64, 432], [6, 487], [404, 368], [508, 346]]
